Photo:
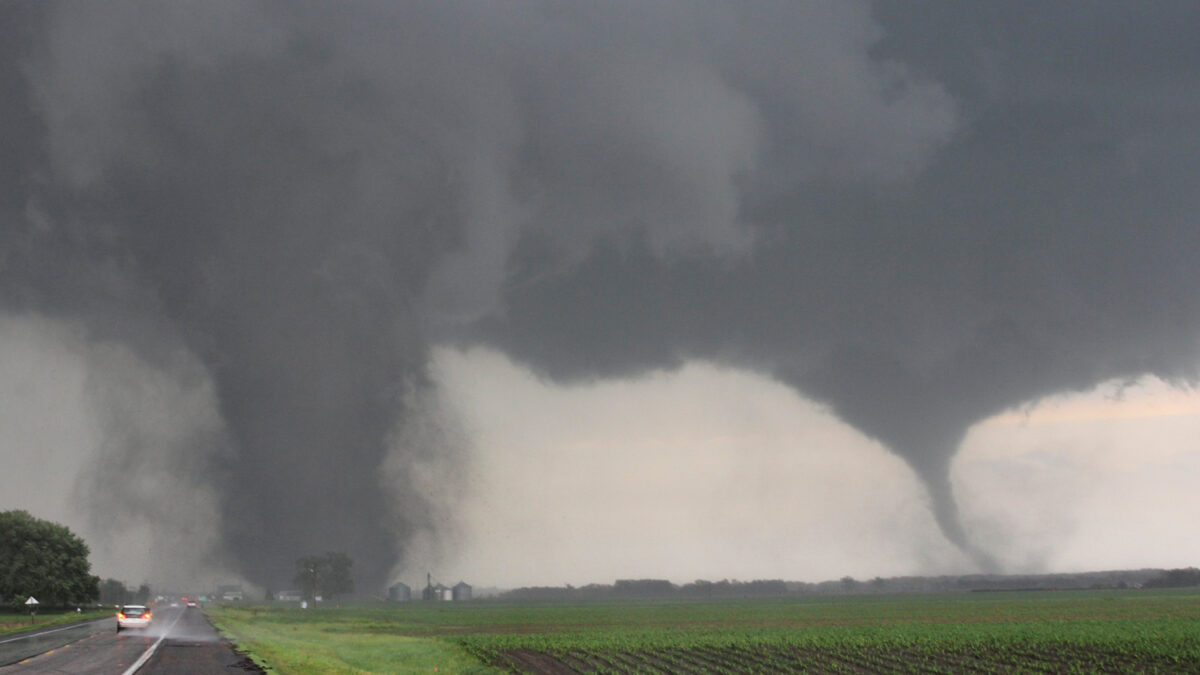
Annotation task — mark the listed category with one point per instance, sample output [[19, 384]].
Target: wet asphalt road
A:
[[188, 646]]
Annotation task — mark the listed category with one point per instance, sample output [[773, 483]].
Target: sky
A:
[[546, 292], [714, 473]]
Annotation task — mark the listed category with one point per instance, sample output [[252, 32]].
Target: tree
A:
[[1177, 578], [45, 560], [322, 575], [338, 581], [309, 571], [113, 592]]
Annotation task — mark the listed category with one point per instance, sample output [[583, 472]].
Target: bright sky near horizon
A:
[[713, 473], [705, 472]]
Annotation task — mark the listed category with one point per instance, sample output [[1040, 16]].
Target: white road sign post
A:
[[32, 604]]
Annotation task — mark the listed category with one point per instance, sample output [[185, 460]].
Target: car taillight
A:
[[120, 615], [146, 615]]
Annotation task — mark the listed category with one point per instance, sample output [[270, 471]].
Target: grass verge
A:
[[15, 622], [337, 641]]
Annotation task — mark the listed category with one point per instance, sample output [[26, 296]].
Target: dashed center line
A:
[[150, 652]]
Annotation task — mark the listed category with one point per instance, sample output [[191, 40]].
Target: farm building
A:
[[437, 593], [399, 592], [442, 593]]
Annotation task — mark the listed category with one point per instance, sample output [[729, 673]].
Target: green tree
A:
[[324, 575], [45, 560], [310, 570], [338, 581], [113, 592]]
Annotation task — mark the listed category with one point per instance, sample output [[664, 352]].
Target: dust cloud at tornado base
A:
[[280, 209]]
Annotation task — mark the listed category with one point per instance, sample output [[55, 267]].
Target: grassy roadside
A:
[[19, 621], [337, 641]]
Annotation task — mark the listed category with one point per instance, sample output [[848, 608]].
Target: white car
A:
[[133, 616]]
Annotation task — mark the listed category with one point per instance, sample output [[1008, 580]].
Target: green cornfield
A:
[[1110, 631], [1047, 632]]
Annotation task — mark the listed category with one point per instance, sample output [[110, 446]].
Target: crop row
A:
[[1164, 639], [832, 659]]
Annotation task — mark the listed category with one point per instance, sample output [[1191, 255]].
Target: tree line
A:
[[625, 589], [775, 588], [114, 592], [43, 560]]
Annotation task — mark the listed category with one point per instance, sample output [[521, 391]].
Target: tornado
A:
[[304, 198]]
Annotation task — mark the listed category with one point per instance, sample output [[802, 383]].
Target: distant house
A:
[[399, 592], [461, 591], [230, 593], [288, 596]]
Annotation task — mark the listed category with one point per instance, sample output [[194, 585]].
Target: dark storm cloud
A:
[[241, 193], [1051, 244], [918, 217]]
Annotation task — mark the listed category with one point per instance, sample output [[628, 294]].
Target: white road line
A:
[[150, 652], [45, 632]]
